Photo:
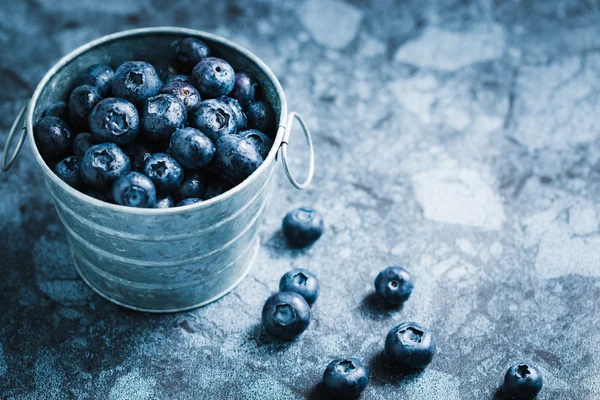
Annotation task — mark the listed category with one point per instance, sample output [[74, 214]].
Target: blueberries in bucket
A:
[[523, 381], [345, 378], [82, 143], [177, 78], [102, 164], [302, 227], [68, 171], [53, 137], [100, 76], [192, 148], [286, 315], [394, 285], [241, 122], [190, 201], [81, 103], [262, 141], [164, 171], [59, 109], [214, 118], [185, 92], [162, 115], [245, 89], [189, 52], [164, 202], [134, 190], [213, 77], [303, 282], [236, 158], [260, 116], [192, 186], [410, 346], [135, 81], [114, 120]]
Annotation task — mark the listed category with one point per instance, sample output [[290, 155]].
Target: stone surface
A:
[[459, 139]]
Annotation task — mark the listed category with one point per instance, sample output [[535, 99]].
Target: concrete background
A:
[[457, 138]]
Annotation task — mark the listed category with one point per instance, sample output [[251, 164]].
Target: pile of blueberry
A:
[[408, 346], [128, 138]]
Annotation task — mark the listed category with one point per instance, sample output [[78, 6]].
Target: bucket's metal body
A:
[[171, 259]]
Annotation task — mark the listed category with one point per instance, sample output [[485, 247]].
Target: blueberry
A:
[[240, 118], [82, 142], [394, 285], [162, 115], [185, 92], [59, 109], [192, 148], [523, 381], [164, 171], [345, 378], [213, 77], [261, 116], [164, 202], [138, 152], [114, 120], [214, 118], [68, 171], [245, 89], [189, 52], [187, 202], [81, 103], [261, 140], [102, 164], [99, 75], [135, 81], [192, 186], [215, 188], [178, 78], [286, 315], [134, 190], [53, 138], [302, 226], [302, 282], [410, 346], [236, 158], [102, 195]]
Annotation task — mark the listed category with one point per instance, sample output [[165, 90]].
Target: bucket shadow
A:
[[500, 394], [265, 340], [376, 309]]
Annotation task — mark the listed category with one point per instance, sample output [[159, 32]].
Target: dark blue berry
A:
[[81, 103], [236, 158], [68, 171], [245, 89], [189, 52], [394, 285], [213, 77], [115, 120], [187, 202], [345, 378], [523, 381], [192, 186], [214, 118], [134, 190], [58, 109], [82, 142], [53, 138], [240, 118], [286, 315], [162, 115], [216, 188], [99, 75], [135, 81], [103, 164], [302, 226], [178, 78], [102, 195], [185, 92], [192, 148], [138, 152], [409, 346], [301, 281], [164, 171], [261, 116], [164, 202], [261, 140]]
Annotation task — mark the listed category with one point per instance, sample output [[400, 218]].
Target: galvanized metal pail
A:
[[160, 260]]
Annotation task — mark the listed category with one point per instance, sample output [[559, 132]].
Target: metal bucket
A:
[[161, 260]]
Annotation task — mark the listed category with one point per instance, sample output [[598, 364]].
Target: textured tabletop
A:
[[459, 139]]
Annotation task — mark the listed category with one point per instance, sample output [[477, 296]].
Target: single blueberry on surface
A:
[[261, 116], [345, 378], [59, 109], [68, 171], [135, 81], [164, 171], [162, 115], [410, 346], [286, 315], [213, 77], [302, 226], [82, 142], [185, 92], [164, 202], [240, 118], [245, 89], [394, 285], [523, 381], [187, 202], [189, 52], [236, 158], [192, 186], [134, 190], [100, 76], [82, 101], [192, 148], [178, 78], [114, 120], [53, 138], [214, 118], [261, 140], [303, 282], [103, 164]]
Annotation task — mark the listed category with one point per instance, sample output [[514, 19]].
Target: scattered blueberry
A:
[[236, 158], [189, 52], [214, 118], [102, 164], [301, 281], [82, 142], [262, 141], [192, 148], [394, 285], [261, 116], [114, 120], [187, 202], [135, 81], [82, 101], [68, 171], [164, 171], [185, 92], [245, 89], [134, 190], [410, 346], [286, 315], [178, 78], [215, 188], [345, 378], [53, 138], [240, 118], [162, 115], [523, 381], [164, 202], [213, 77], [192, 186], [100, 76], [59, 109], [302, 226]]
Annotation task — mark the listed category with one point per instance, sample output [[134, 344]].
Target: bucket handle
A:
[[311, 152], [7, 161]]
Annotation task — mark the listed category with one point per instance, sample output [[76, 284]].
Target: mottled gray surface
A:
[[459, 138]]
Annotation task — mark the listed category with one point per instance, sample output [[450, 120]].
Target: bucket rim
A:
[[113, 37]]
